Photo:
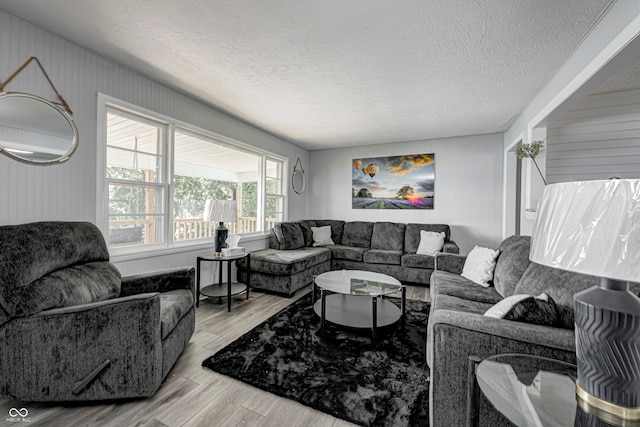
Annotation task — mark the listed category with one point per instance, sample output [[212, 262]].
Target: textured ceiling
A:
[[626, 79], [336, 73]]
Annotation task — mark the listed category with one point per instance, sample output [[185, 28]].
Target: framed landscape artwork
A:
[[398, 182]]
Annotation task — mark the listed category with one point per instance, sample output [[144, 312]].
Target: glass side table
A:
[[533, 391]]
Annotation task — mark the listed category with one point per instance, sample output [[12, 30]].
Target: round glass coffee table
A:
[[354, 298]]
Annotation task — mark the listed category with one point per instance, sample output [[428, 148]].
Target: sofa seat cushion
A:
[[174, 305], [418, 261], [382, 256], [453, 303], [347, 252], [445, 283], [79, 284], [281, 263]]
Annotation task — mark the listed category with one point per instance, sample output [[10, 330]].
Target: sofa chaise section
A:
[[283, 271]]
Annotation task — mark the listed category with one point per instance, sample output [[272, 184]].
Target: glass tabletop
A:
[[357, 282], [530, 390], [214, 257]]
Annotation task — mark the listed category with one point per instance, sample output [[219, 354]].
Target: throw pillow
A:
[[540, 310], [322, 236], [479, 265], [430, 242]]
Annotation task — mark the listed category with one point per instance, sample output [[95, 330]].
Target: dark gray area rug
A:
[[342, 373]]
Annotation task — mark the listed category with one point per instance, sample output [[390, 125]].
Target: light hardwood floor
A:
[[195, 396]]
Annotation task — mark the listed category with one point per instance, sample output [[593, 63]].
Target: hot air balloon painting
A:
[[371, 169], [396, 182]]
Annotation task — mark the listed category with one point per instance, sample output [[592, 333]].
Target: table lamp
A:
[[593, 227], [220, 211]]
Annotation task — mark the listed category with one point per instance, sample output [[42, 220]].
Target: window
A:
[[136, 180], [207, 170], [159, 175]]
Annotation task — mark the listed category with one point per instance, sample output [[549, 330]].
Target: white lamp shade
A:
[[220, 211], [590, 227]]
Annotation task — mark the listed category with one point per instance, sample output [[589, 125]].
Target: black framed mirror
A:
[[34, 130]]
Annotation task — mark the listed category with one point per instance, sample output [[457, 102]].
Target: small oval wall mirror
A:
[[35, 130], [298, 180]]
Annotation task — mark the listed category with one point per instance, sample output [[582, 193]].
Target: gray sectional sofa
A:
[[457, 327], [385, 247]]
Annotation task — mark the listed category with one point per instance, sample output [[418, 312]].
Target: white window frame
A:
[[281, 196], [106, 103]]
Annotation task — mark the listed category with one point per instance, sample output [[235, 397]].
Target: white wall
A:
[[598, 139], [468, 186], [68, 191]]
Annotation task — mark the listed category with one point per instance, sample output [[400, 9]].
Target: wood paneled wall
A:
[[598, 139]]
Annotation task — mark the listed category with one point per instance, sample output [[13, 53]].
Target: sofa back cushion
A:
[[357, 234], [31, 251], [513, 259], [305, 226], [412, 235], [288, 235], [560, 285], [388, 235], [53, 264], [337, 228], [78, 284]]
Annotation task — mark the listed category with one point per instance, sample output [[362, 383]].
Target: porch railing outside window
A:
[[159, 176]]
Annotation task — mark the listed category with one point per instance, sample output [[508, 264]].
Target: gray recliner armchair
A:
[[71, 329]]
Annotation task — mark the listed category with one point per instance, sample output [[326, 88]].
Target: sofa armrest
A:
[[454, 336], [120, 338], [451, 247], [452, 263], [162, 281]]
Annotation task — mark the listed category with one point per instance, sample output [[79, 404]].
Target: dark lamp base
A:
[[220, 237], [606, 411], [607, 321]]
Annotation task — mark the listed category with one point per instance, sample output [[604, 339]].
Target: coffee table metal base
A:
[[355, 311]]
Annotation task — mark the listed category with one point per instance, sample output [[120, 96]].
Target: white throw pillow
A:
[[479, 265], [430, 242], [322, 236]]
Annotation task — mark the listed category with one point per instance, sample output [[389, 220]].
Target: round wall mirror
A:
[[298, 180], [35, 130]]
